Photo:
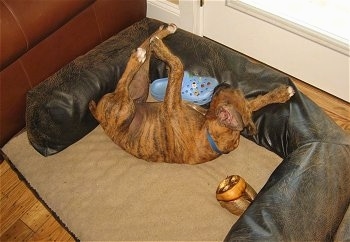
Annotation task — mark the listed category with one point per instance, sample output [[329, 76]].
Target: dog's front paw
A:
[[141, 55], [172, 28], [290, 91], [281, 94]]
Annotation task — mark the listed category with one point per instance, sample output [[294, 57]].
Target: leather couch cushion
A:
[[56, 110], [57, 113], [25, 24]]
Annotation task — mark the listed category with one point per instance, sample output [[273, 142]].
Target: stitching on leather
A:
[[18, 22], [97, 23], [25, 73]]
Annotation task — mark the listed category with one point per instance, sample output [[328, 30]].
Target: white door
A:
[[318, 63], [305, 56]]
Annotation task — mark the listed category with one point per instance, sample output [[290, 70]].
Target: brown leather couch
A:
[[39, 37]]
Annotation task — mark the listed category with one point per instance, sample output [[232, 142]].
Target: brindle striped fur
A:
[[173, 131]]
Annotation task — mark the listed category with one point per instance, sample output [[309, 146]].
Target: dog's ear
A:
[[229, 117]]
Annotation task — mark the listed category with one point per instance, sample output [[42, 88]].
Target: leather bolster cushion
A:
[[305, 198], [57, 113]]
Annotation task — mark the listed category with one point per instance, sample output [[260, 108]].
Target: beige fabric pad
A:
[[102, 193]]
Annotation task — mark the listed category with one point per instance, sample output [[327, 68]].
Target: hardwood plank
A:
[[36, 216], [8, 181], [337, 109], [14, 205], [4, 167], [22, 216], [51, 230], [19, 231]]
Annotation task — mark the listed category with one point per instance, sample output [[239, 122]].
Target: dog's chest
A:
[[162, 137]]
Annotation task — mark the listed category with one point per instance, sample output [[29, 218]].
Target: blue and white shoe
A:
[[195, 89]]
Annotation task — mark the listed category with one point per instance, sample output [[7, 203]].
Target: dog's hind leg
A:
[[139, 57], [139, 86], [279, 95], [172, 99], [135, 64]]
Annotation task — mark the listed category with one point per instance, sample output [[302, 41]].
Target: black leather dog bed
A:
[[306, 198]]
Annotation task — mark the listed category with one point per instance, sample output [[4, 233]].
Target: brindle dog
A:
[[174, 131]]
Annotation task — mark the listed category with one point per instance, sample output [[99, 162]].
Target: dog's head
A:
[[228, 106]]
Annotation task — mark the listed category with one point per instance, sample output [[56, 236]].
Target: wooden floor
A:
[[24, 218]]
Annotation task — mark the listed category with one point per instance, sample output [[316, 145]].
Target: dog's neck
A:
[[221, 139], [213, 144]]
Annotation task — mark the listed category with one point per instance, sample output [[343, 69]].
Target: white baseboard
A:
[[164, 11]]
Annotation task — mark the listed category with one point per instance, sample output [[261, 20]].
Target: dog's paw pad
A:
[[141, 55], [291, 91], [172, 28]]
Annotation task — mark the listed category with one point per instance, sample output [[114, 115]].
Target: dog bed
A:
[[305, 197], [101, 193]]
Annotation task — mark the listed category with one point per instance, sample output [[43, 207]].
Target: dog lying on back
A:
[[172, 130]]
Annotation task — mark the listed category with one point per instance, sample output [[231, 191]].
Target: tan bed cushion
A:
[[102, 193]]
